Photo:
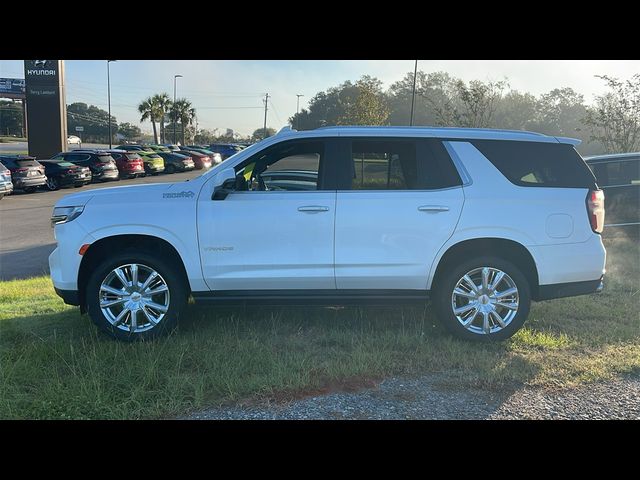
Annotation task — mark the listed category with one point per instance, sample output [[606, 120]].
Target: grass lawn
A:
[[53, 363], [4, 139], [14, 152]]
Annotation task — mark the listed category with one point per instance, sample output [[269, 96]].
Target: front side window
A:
[[292, 166]]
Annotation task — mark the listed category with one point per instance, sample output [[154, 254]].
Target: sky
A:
[[230, 93]]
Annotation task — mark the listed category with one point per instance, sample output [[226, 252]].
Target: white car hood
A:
[[125, 194]]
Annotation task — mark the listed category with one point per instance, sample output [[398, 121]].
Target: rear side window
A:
[[536, 164], [400, 164], [624, 172]]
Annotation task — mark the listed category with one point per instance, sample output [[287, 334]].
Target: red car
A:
[[200, 160], [129, 164]]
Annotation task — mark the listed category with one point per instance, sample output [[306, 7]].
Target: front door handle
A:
[[433, 208], [313, 209]]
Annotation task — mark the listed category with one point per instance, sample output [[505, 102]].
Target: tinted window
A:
[[27, 163], [624, 172], [105, 158], [133, 156], [398, 164], [293, 166], [76, 157], [381, 165], [536, 164]]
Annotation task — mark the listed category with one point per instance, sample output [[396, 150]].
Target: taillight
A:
[[595, 210], [19, 170]]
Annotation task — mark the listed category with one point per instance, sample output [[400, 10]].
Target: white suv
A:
[[479, 221]]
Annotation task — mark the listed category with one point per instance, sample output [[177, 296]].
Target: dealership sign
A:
[[12, 86], [46, 107]]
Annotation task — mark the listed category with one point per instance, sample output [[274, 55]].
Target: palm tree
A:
[[163, 103], [183, 111], [149, 111]]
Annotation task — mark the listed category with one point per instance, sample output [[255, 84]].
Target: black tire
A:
[[442, 297], [29, 189], [168, 270], [170, 169]]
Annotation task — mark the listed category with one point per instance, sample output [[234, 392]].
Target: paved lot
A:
[[26, 236]]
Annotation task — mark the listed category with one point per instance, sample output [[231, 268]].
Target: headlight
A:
[[65, 214]]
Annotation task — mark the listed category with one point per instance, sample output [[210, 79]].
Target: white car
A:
[[73, 140], [482, 222]]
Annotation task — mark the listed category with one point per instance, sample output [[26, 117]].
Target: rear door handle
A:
[[433, 208], [313, 209]]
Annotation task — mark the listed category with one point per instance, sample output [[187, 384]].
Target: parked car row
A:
[[79, 167]]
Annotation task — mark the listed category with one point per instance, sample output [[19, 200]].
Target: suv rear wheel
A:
[[135, 296], [483, 299]]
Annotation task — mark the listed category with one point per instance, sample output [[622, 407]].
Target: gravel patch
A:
[[426, 398]]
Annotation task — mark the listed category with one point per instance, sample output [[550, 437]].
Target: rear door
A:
[[398, 202]]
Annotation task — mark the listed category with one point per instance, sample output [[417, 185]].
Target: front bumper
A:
[[70, 297]]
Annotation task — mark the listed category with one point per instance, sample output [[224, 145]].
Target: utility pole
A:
[[413, 95], [298, 110], [266, 101], [109, 99], [175, 117]]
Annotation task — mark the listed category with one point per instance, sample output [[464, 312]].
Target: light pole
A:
[[298, 110], [174, 107], [413, 95], [109, 98]]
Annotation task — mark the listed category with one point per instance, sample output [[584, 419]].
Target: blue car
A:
[[225, 149]]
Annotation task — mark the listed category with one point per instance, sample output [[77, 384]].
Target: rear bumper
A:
[[572, 289], [29, 181], [106, 175], [71, 181], [6, 188], [70, 297]]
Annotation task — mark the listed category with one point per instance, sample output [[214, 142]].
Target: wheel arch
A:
[[504, 248], [99, 249]]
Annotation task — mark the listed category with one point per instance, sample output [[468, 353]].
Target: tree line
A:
[[610, 124]]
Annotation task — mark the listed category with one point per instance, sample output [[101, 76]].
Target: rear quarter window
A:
[[536, 164]]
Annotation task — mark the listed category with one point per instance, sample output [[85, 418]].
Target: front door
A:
[[398, 202], [275, 231]]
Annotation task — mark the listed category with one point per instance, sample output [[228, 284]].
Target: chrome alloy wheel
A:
[[134, 297], [485, 300]]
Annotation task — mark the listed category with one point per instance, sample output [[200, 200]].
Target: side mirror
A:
[[225, 184]]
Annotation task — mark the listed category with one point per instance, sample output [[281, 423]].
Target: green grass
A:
[[14, 152], [11, 139], [53, 363]]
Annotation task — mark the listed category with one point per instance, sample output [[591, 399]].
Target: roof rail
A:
[[424, 127]]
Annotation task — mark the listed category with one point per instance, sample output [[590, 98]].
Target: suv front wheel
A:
[[483, 299], [135, 296]]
